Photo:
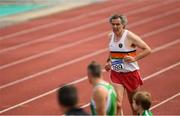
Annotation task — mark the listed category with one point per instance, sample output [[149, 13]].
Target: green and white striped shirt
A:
[[111, 100], [147, 113]]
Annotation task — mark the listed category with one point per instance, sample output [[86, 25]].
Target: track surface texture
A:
[[39, 56]]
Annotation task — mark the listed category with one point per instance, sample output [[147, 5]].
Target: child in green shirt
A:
[[142, 103]]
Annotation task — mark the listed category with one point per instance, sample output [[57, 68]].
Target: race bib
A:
[[117, 65]]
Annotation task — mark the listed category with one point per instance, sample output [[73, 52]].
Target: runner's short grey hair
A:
[[123, 18]]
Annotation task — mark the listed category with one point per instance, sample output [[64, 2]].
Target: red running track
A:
[[32, 71]]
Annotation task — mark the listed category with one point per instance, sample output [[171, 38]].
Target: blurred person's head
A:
[[67, 97], [118, 22], [141, 101], [94, 71]]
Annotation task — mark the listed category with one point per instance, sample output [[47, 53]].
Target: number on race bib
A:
[[117, 67]]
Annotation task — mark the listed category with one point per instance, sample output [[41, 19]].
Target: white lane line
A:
[[161, 71], [77, 60], [153, 107], [75, 82], [162, 29], [167, 45], [54, 68], [86, 105], [151, 76], [64, 21], [98, 36], [40, 96], [87, 26], [165, 101], [80, 42]]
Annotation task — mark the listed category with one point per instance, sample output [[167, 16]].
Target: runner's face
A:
[[116, 25]]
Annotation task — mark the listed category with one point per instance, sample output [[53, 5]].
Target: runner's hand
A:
[[107, 67]]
